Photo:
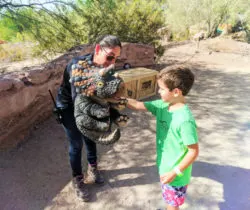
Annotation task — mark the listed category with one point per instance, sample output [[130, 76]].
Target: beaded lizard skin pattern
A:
[[96, 108]]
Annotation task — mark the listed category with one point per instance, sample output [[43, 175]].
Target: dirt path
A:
[[36, 175]]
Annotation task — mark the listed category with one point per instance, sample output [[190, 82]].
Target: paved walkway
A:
[[36, 175]]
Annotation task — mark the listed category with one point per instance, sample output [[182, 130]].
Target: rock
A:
[[240, 36], [15, 80], [5, 84], [39, 75]]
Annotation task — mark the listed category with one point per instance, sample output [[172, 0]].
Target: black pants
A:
[[76, 140]]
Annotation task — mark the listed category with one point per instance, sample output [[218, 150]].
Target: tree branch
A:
[[10, 4]]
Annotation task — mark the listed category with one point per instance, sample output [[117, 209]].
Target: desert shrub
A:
[[205, 15], [132, 21], [65, 27], [15, 52]]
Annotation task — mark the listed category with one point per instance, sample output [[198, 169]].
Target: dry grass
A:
[[11, 52], [15, 56]]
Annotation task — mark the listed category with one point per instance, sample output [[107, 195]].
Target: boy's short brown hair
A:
[[177, 76]]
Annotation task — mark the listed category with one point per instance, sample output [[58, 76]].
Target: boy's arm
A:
[[134, 104], [192, 154]]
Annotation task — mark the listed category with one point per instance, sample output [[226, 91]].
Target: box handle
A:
[[146, 85], [129, 93]]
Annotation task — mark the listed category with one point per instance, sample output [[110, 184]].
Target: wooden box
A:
[[140, 82]]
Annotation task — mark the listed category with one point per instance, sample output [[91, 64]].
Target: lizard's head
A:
[[103, 83], [109, 87], [108, 84]]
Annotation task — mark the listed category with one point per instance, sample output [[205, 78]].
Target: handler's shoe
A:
[[81, 189], [94, 175]]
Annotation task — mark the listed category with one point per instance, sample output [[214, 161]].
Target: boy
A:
[[176, 135]]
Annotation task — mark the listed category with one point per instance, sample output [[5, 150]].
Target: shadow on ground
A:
[[233, 180]]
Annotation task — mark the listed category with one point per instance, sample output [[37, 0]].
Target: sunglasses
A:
[[108, 57]]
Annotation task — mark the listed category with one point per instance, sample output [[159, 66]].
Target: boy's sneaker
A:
[[81, 189], [94, 175]]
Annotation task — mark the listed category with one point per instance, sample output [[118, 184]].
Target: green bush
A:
[[131, 20], [55, 32]]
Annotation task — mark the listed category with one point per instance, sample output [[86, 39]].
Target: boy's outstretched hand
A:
[[168, 177], [118, 103]]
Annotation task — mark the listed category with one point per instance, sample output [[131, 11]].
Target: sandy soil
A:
[[36, 175]]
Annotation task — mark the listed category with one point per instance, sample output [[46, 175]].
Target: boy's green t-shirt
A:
[[174, 131]]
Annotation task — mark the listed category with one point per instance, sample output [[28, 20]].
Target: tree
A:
[[131, 20], [14, 5], [37, 19], [64, 25], [205, 14]]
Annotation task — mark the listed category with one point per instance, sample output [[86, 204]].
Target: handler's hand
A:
[[168, 177]]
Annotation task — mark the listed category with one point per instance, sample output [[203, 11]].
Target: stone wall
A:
[[25, 99]]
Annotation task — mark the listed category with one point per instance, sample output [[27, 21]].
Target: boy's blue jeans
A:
[[76, 140]]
